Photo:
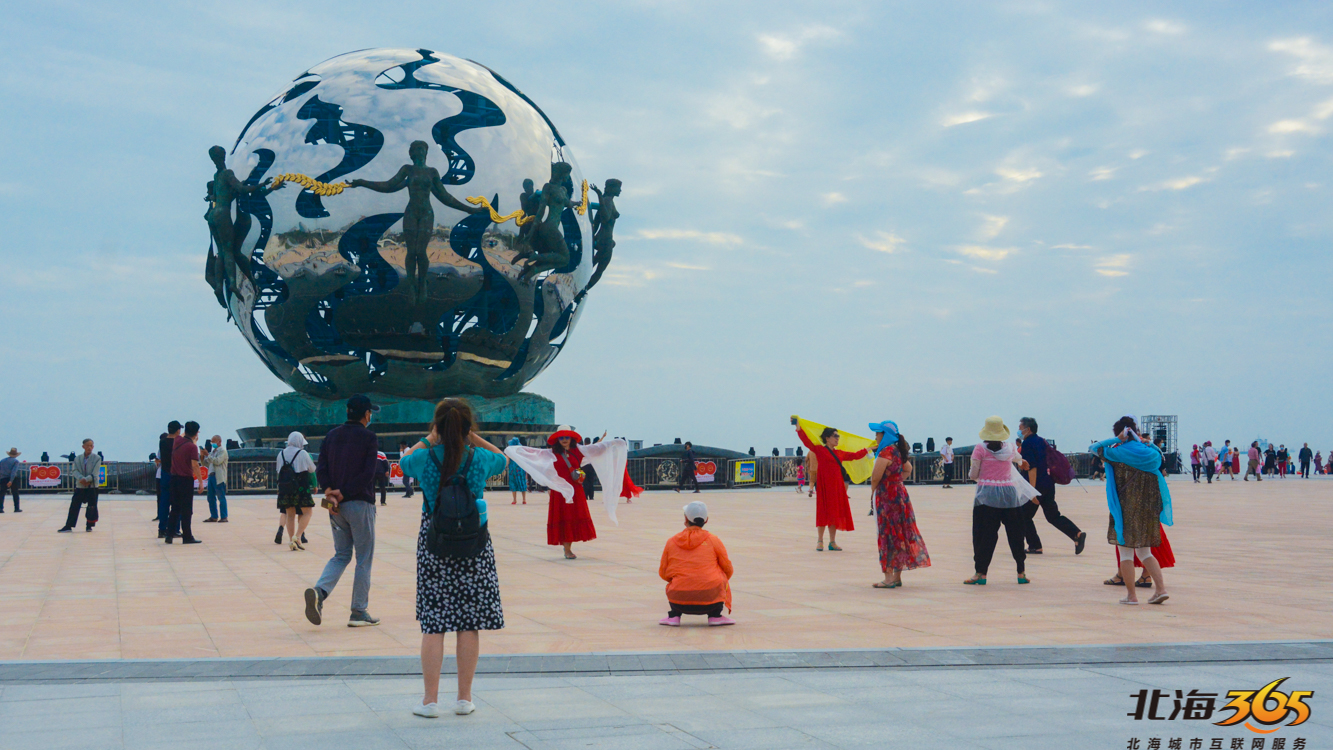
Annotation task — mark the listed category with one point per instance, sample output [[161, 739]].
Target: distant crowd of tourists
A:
[[1262, 459]]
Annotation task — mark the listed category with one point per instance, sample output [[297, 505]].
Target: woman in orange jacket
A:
[[697, 570]]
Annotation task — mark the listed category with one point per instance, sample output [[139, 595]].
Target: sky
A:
[[851, 211]]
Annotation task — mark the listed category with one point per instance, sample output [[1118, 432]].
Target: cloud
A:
[[1314, 61], [1322, 111], [628, 275], [833, 199], [787, 46], [1015, 174], [712, 238], [981, 252], [1280, 154], [884, 242], [1071, 247], [1103, 173], [1282, 127], [1082, 90], [1165, 27], [1180, 183], [1113, 265], [688, 267], [1137, 154], [992, 226], [979, 269], [964, 118]]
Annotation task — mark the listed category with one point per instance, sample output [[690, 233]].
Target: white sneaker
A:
[[428, 710], [463, 708]]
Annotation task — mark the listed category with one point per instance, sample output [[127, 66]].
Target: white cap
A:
[[696, 512]]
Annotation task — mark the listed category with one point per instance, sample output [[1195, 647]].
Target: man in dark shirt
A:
[[166, 443], [348, 463], [184, 471], [1304, 456], [1034, 452], [687, 471]]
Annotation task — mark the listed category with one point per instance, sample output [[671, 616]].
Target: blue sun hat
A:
[[890, 430]]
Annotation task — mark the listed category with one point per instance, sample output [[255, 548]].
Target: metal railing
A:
[[256, 477]]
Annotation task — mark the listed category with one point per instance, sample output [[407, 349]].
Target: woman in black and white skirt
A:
[[454, 595]]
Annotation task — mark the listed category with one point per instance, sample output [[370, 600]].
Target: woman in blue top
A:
[[454, 595], [518, 479]]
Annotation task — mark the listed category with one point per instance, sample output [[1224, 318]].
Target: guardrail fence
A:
[[252, 477]]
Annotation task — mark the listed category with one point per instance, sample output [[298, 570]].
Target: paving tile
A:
[[93, 738]]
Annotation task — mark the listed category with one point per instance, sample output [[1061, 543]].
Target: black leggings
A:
[[1197, 468], [986, 522], [712, 610]]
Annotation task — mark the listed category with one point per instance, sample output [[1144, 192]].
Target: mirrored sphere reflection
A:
[[401, 285]]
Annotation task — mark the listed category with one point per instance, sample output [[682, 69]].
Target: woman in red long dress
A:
[[568, 522], [831, 507]]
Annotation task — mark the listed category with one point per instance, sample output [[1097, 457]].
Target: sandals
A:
[[571, 556], [1114, 580], [1023, 579], [887, 585], [820, 548], [1144, 582], [833, 547], [975, 581], [1159, 598], [1131, 602]]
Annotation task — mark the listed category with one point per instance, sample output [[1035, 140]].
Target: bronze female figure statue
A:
[[421, 182], [549, 250], [603, 224], [228, 234]]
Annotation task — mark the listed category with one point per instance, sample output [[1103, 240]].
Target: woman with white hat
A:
[[1001, 493], [560, 468], [294, 488], [901, 546]]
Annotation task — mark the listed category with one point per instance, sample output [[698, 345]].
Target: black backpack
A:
[[455, 524], [287, 484]]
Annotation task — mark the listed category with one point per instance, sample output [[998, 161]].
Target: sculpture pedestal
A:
[[524, 415]]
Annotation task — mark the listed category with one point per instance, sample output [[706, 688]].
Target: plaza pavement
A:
[[110, 639], [1252, 567], [1015, 698]]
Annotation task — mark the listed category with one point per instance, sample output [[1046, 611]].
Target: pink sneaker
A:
[[673, 622], [721, 621]]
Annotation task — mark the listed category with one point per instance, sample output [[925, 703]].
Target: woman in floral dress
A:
[[900, 544]]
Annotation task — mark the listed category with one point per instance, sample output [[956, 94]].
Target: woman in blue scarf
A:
[[518, 479], [1139, 501]]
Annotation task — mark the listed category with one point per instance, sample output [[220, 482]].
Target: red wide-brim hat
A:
[[564, 431]]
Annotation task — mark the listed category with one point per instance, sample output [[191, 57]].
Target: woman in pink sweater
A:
[[1001, 493]]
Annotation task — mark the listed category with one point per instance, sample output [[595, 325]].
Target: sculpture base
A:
[[527, 416]]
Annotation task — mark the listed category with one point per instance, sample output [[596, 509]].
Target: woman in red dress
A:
[[900, 544], [567, 519], [560, 469], [831, 507]]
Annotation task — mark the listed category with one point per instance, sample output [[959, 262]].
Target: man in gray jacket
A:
[[216, 461], [84, 467], [9, 478]]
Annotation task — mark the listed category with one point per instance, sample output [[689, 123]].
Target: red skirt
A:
[[569, 522], [1162, 553]]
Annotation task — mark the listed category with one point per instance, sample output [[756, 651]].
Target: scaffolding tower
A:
[[1161, 426]]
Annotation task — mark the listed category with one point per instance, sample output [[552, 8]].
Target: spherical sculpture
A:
[[404, 222]]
